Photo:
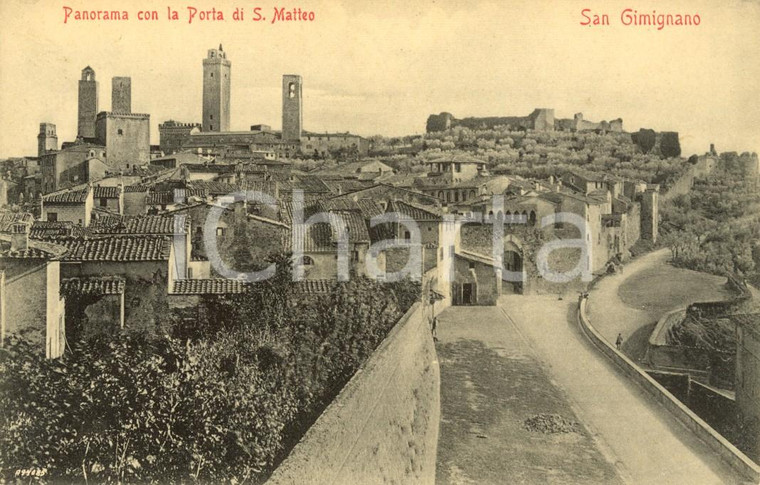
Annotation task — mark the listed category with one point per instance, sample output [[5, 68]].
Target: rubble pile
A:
[[550, 424]]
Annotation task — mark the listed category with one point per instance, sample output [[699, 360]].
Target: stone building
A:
[[146, 263], [75, 164], [173, 135], [322, 144], [30, 303], [126, 137], [88, 103], [216, 91], [73, 206]]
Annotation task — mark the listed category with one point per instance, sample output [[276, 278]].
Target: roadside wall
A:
[[712, 438], [383, 426]]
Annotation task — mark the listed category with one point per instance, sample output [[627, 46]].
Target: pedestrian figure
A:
[[433, 328], [619, 341]]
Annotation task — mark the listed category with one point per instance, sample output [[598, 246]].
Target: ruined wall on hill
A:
[[541, 119]]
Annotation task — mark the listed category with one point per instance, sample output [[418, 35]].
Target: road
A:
[[650, 445], [631, 302], [491, 383]]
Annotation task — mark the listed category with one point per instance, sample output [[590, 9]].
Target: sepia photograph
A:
[[380, 242]]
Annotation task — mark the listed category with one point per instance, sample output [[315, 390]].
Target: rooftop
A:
[[118, 249], [93, 286]]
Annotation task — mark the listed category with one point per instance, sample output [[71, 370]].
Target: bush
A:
[[221, 401]]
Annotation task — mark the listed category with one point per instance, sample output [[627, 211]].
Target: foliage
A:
[[715, 228], [218, 401]]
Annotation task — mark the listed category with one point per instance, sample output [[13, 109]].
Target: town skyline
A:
[[394, 73]]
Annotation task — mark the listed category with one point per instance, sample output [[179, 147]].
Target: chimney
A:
[[20, 236]]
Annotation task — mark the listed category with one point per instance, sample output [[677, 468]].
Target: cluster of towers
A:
[[216, 97], [121, 101]]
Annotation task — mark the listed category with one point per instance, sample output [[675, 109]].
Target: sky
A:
[[381, 67]]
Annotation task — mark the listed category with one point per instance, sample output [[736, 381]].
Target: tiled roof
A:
[[137, 225], [210, 168], [221, 286], [413, 212], [52, 230], [136, 188], [307, 183], [35, 249], [8, 218], [346, 186], [315, 286], [125, 248], [215, 286], [28, 253], [106, 192], [159, 198], [93, 286], [355, 224], [66, 197], [311, 207], [212, 187], [317, 238]]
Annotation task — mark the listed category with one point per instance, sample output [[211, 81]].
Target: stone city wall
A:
[[383, 426]]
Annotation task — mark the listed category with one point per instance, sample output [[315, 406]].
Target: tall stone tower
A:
[[88, 103], [47, 139], [121, 94], [292, 107], [216, 91]]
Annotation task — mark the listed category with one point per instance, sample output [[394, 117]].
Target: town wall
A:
[[686, 416], [383, 426]]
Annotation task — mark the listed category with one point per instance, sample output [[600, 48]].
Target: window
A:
[[220, 231], [472, 265], [407, 235], [457, 167], [211, 127], [212, 74], [190, 273], [119, 131], [292, 90], [103, 202], [307, 261], [211, 116], [354, 256], [52, 217]]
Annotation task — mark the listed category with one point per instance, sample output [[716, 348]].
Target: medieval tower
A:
[[47, 139], [121, 95], [88, 103], [292, 107], [216, 91]]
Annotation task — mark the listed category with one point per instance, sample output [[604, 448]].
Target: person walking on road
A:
[[433, 328], [619, 341]]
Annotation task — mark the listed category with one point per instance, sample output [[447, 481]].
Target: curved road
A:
[[648, 443], [630, 303]]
